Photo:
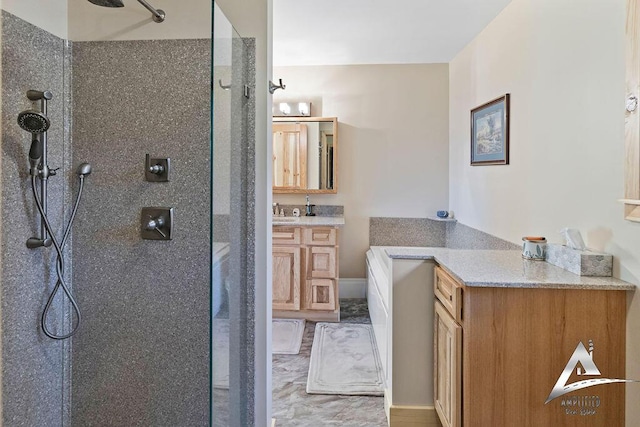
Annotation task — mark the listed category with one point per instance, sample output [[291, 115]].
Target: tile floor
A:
[[292, 406]]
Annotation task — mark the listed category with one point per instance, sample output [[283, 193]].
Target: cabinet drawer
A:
[[449, 292], [321, 294], [320, 236], [286, 235], [321, 262]]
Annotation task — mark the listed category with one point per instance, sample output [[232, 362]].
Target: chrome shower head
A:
[[158, 14], [108, 3], [84, 169], [33, 121]]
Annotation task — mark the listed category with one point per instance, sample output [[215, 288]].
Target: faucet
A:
[[309, 208]]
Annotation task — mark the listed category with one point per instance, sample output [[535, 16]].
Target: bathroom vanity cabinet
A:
[[305, 272], [499, 351], [447, 349]]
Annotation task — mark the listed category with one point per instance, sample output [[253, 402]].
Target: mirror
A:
[[305, 155]]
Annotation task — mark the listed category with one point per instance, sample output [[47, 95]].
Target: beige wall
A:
[[186, 19], [49, 15], [563, 63], [79, 20], [393, 143]]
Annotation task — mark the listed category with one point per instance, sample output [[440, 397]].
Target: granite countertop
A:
[[505, 269], [309, 221]]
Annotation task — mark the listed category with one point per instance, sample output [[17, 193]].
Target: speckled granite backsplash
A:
[[406, 232], [425, 232], [460, 236], [319, 210]]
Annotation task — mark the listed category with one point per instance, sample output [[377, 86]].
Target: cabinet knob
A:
[[632, 103]]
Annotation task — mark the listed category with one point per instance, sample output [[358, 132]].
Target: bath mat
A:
[[344, 360], [287, 339], [287, 336]]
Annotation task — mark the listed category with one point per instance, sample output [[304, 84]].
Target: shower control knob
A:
[[156, 223], [157, 169]]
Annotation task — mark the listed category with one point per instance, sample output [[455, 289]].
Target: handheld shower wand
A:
[[38, 123], [35, 155]]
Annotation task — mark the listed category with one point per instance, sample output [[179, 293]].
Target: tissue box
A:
[[584, 263]]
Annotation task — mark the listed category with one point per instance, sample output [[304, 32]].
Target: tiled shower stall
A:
[[142, 354]]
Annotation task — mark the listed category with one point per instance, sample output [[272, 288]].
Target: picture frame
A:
[[490, 133]]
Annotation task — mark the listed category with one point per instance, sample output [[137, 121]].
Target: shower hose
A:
[[60, 263]]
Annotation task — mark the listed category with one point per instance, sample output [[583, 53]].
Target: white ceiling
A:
[[333, 32]]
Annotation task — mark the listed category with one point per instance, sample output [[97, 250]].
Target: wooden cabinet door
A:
[[286, 278], [447, 370], [290, 156], [321, 262]]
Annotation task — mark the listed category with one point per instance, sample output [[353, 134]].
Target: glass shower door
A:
[[230, 357]]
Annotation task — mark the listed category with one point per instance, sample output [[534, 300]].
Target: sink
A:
[[285, 219]]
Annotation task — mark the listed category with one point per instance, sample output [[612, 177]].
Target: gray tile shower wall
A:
[[142, 355], [34, 367]]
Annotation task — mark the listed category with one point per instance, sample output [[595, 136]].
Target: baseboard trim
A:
[[413, 416], [353, 288], [387, 404], [314, 316]]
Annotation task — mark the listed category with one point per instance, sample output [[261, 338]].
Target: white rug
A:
[[344, 360], [286, 339], [287, 336]]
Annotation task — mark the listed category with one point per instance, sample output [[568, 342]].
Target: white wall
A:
[[392, 143], [49, 15], [563, 63]]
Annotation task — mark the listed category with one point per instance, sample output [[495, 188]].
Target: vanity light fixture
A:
[[285, 109], [291, 109]]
